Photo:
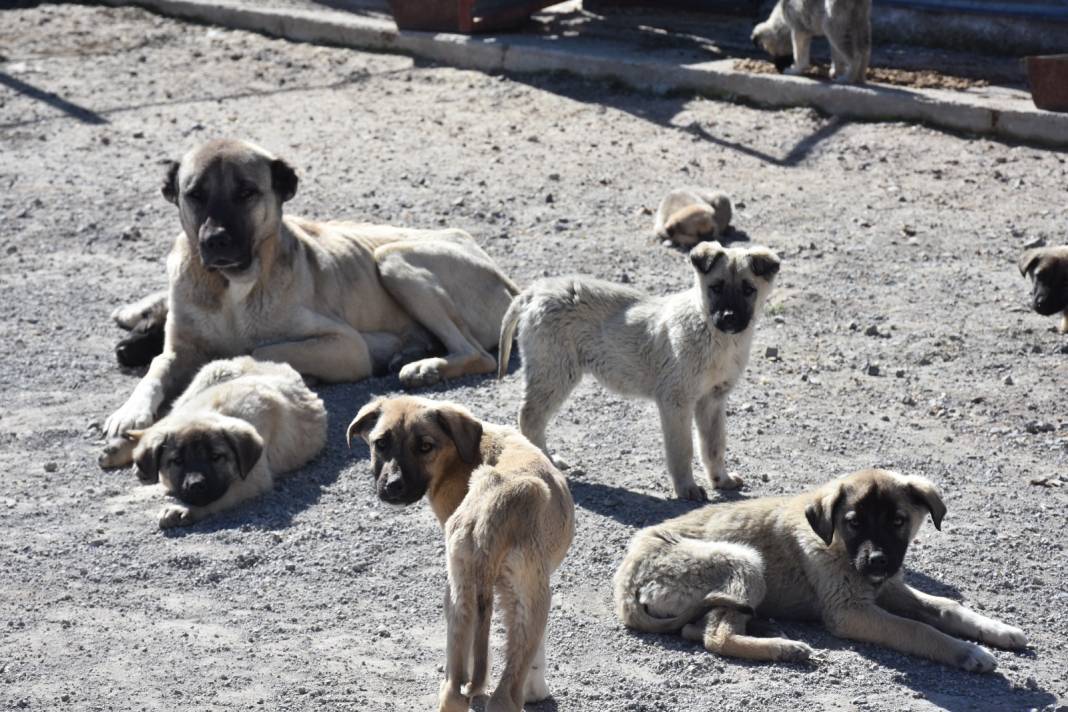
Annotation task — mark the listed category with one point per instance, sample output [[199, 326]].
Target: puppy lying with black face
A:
[[1048, 269], [685, 351], [687, 216], [833, 554], [145, 320], [238, 424], [508, 519]]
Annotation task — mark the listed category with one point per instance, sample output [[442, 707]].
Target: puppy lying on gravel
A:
[[833, 554], [687, 216], [238, 424], [508, 519], [685, 351], [1048, 269]]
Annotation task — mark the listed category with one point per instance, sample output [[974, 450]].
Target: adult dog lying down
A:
[[833, 554], [337, 301]]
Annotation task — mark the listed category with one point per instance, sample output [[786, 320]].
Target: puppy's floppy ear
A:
[[923, 491], [705, 256], [170, 182], [821, 512], [283, 179], [1028, 260], [465, 431], [764, 263], [364, 420], [247, 446], [147, 455]]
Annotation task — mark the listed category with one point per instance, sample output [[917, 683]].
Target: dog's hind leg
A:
[[802, 42], [548, 378], [525, 600], [152, 308], [723, 632], [460, 615]]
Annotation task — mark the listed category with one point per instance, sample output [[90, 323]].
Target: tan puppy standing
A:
[[833, 554], [685, 351], [1048, 269], [508, 519], [337, 301], [240, 423], [687, 216]]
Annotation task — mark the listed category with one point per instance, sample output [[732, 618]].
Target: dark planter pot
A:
[[1048, 77], [467, 16]]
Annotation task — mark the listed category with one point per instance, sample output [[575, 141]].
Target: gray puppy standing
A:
[[793, 23], [685, 351]]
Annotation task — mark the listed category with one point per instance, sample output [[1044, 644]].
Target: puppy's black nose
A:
[[196, 484], [877, 561], [216, 241], [394, 488]]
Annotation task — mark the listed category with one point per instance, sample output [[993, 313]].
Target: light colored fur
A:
[[152, 308], [846, 24], [706, 573], [230, 396], [661, 348], [508, 520], [335, 300], [687, 216]]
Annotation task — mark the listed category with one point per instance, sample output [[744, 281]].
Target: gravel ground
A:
[[900, 322]]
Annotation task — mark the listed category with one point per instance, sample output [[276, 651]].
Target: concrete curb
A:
[[1010, 116]]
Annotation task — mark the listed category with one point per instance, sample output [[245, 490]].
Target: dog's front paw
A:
[[975, 659], [795, 71], [535, 689], [422, 373], [175, 515], [792, 651], [450, 700], [726, 481], [692, 492], [1003, 636], [118, 452], [128, 417], [470, 689]]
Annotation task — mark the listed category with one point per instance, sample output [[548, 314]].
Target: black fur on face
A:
[[731, 304], [783, 62], [874, 528], [1049, 293], [396, 460], [197, 466]]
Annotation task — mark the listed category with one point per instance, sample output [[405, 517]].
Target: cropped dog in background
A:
[[833, 554], [145, 320], [508, 519], [687, 216], [1048, 269], [787, 36], [240, 423], [685, 351]]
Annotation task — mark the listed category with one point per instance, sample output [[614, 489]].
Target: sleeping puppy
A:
[[144, 320], [508, 519], [687, 216], [684, 351], [787, 35], [1048, 269], [833, 554], [238, 424]]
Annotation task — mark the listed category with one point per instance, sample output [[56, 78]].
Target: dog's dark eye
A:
[[425, 447], [218, 457], [748, 289], [899, 521], [196, 195], [247, 193], [381, 443], [177, 461], [852, 522], [716, 288]]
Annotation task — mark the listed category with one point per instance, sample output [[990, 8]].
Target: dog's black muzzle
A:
[[730, 321], [222, 250], [783, 62], [200, 487]]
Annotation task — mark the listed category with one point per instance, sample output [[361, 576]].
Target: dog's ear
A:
[[283, 179], [822, 510], [147, 455], [705, 255], [465, 431], [764, 263], [247, 446], [1029, 260], [364, 420], [923, 491], [170, 182]]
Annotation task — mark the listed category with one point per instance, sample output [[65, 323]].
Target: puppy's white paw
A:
[[420, 374], [118, 452], [692, 492], [726, 481], [1003, 636], [975, 659], [795, 71], [174, 515], [131, 416], [535, 689]]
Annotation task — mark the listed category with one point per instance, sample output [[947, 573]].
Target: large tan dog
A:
[[833, 554], [240, 423], [337, 301], [1048, 269], [508, 519]]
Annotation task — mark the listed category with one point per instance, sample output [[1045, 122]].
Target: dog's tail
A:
[[636, 614], [508, 327]]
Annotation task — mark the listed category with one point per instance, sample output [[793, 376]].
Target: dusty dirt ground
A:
[[898, 246]]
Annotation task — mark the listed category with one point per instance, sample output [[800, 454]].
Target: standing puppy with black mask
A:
[[685, 351]]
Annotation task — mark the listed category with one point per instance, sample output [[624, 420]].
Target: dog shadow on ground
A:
[[549, 705], [634, 508]]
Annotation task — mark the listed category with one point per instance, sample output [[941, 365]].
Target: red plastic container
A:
[[1048, 77]]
